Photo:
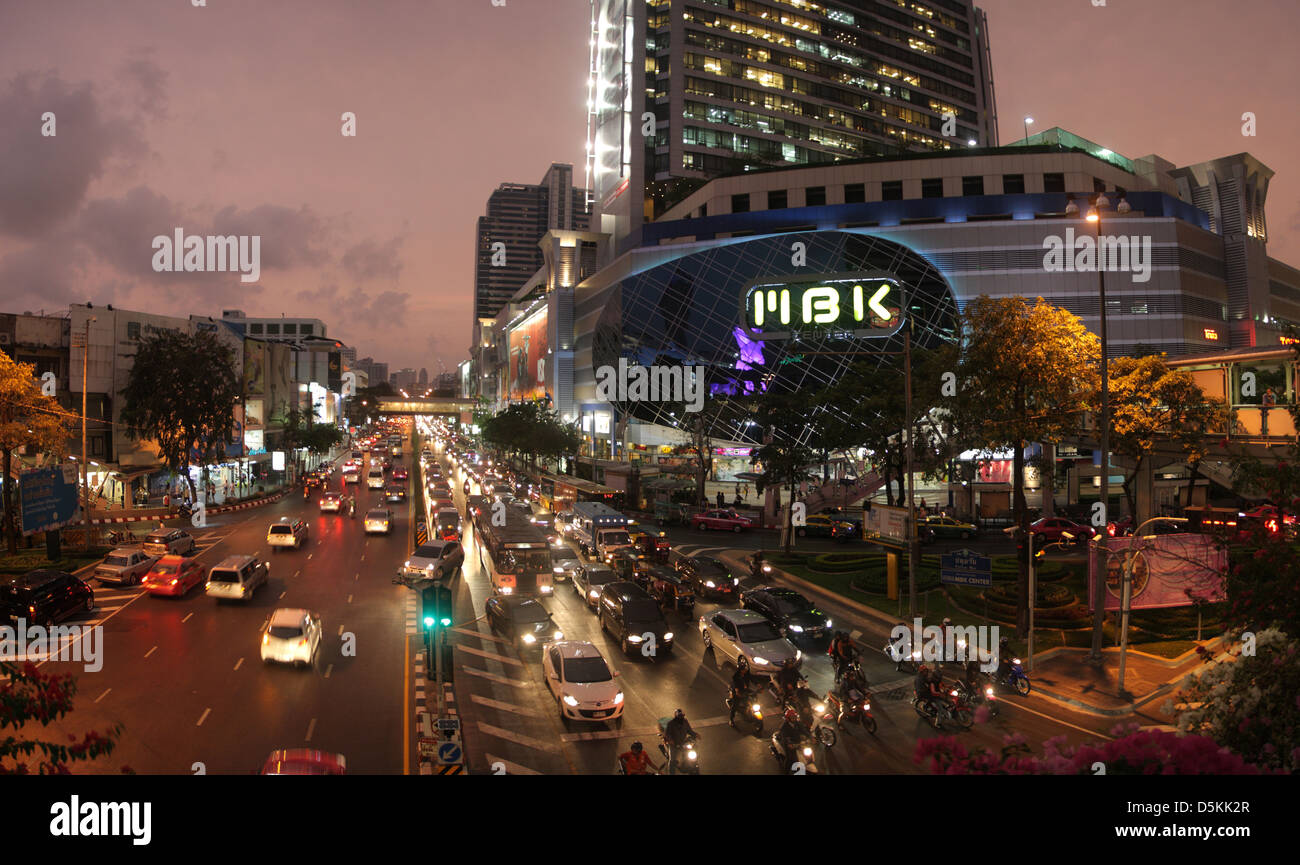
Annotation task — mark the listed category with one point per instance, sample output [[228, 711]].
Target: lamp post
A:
[[1028, 122], [1126, 595], [85, 479]]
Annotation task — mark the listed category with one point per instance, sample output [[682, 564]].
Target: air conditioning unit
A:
[[4, 339]]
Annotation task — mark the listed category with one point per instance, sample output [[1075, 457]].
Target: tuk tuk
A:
[[652, 545], [671, 512], [668, 587], [625, 562]]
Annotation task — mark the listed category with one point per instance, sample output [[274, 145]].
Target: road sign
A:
[[449, 753], [885, 525], [452, 769], [965, 568], [49, 498], [449, 724], [428, 747]]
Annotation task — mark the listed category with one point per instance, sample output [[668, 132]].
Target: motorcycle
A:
[[753, 711], [855, 707], [778, 695], [951, 708], [788, 760], [988, 696], [118, 538], [1015, 678], [813, 715], [687, 759], [758, 572], [895, 650]]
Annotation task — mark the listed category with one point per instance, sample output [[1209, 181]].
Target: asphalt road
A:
[[512, 723]]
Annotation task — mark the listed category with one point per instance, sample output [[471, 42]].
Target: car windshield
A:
[[377, 515], [617, 538], [282, 632], [281, 530], [642, 611], [790, 605], [117, 560], [757, 632], [530, 611], [428, 551], [223, 576], [585, 670], [166, 569]]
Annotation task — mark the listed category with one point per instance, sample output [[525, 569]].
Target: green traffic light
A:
[[446, 622], [428, 621]]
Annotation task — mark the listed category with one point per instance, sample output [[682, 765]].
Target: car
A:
[[356, 457], [400, 474], [710, 577], [379, 521], [631, 616], [124, 566], [940, 526], [1052, 529], [237, 578], [733, 633], [375, 478], [436, 558], [439, 490], [387, 463], [44, 597], [291, 636], [174, 576], [825, 526], [287, 533], [168, 542], [564, 563], [523, 619], [476, 504], [584, 686], [304, 761], [446, 523], [331, 502], [590, 579], [351, 476], [395, 493], [790, 611], [722, 520]]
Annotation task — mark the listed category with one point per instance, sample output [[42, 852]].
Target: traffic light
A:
[[435, 607]]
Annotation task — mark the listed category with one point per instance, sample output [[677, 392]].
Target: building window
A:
[[1013, 184], [972, 185], [305, 329], [1054, 182], [273, 329], [815, 196], [891, 190], [254, 328], [133, 330], [932, 187], [740, 203], [1098, 185], [776, 199], [290, 328], [704, 210], [855, 193]]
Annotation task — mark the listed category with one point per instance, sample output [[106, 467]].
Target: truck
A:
[[599, 529]]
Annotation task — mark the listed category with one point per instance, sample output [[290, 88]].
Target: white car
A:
[[287, 533], [379, 520], [732, 633], [584, 686], [291, 636], [331, 502], [375, 480], [437, 558], [124, 566], [351, 476], [169, 542]]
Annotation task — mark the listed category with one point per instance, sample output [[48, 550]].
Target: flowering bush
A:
[[30, 695], [1132, 752], [1249, 703]]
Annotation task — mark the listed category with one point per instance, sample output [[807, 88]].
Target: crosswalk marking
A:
[[493, 677], [518, 738], [469, 633], [482, 654], [505, 707]]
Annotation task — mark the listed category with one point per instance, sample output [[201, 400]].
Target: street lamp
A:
[[1028, 122], [1126, 595]]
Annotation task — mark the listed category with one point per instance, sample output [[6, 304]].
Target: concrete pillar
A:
[[1072, 483], [1144, 492]]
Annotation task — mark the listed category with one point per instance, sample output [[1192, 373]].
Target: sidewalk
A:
[[1060, 675]]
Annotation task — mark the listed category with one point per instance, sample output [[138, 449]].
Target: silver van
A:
[[235, 578]]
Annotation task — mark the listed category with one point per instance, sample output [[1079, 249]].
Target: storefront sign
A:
[[865, 305], [277, 461], [733, 452]]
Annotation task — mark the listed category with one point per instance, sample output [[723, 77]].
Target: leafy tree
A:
[[698, 427], [1264, 569], [784, 460], [181, 395], [1025, 374], [30, 695], [1249, 704], [1151, 404], [27, 419], [531, 430]]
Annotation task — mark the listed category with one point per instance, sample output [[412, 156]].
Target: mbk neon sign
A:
[[866, 305]]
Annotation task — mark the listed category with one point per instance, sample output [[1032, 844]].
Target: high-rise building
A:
[[518, 215], [759, 83], [282, 329], [424, 376]]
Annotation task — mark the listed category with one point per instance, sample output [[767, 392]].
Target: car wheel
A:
[[965, 536], [701, 527], [627, 649], [90, 604], [736, 529], [802, 533]]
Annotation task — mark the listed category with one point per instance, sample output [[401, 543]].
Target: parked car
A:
[[291, 636], [522, 619], [1052, 529], [710, 577], [437, 559], [304, 761], [629, 614], [174, 576], [939, 526], [790, 611], [287, 533], [44, 597], [584, 686], [125, 566], [169, 542], [824, 526], [732, 633], [721, 520]]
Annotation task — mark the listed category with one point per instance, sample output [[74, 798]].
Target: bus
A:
[[516, 556]]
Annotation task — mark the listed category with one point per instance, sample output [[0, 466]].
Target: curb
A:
[[169, 515]]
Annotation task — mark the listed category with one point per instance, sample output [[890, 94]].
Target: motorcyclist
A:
[[741, 683], [790, 734], [898, 648], [842, 652], [677, 731], [787, 679], [306, 491], [637, 761], [466, 487], [852, 687], [756, 565], [933, 696], [1004, 659], [352, 506]]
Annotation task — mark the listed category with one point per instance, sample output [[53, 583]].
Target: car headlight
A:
[[633, 638], [798, 654], [593, 594], [709, 584], [559, 635], [762, 662], [546, 590], [807, 752], [691, 755], [1015, 660], [557, 570], [569, 701], [797, 629], [828, 623], [529, 639], [735, 581], [819, 708], [266, 638], [668, 635], [618, 698], [756, 709]]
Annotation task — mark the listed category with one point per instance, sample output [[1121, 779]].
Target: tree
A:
[[1151, 404], [531, 430], [30, 420], [181, 395], [1264, 570], [30, 695], [1025, 374], [784, 460], [1249, 704]]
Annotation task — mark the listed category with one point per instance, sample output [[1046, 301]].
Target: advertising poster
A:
[[1167, 571], [528, 349], [49, 498]]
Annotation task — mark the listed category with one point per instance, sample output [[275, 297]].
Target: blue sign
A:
[[966, 568], [49, 498], [449, 753]]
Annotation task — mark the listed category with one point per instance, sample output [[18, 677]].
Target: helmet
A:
[[679, 714], [1004, 642], [636, 747], [791, 715], [923, 669], [947, 621], [742, 663]]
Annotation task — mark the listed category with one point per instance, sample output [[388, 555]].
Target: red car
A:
[[399, 474], [304, 761], [726, 520], [1050, 529], [173, 576]]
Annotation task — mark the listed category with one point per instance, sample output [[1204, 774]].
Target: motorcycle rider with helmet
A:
[[637, 761], [790, 734], [756, 565], [842, 652], [787, 679], [677, 731], [853, 686], [741, 683], [1004, 659], [928, 691]]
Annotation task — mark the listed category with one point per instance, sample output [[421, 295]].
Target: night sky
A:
[[226, 120]]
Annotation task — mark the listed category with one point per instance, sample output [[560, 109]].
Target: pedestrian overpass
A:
[[461, 409]]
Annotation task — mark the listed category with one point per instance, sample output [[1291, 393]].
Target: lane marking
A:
[[203, 717], [505, 707], [329, 670], [1059, 721], [103, 695], [187, 618], [238, 664], [406, 707], [282, 594], [310, 728], [493, 677], [296, 573], [482, 654], [340, 630], [491, 637], [511, 768], [518, 738], [349, 599], [151, 651], [648, 731]]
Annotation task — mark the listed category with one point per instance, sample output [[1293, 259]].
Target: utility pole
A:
[[913, 549], [85, 480]]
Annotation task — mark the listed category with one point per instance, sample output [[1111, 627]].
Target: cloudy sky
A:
[[225, 119]]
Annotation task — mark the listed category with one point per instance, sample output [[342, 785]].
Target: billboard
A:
[[528, 358], [885, 524], [865, 305], [254, 367], [1167, 571], [611, 94], [49, 498]]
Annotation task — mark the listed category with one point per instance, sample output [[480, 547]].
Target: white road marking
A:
[[203, 717], [296, 573], [329, 670], [505, 707], [511, 768], [349, 599], [340, 630], [518, 738], [310, 728], [282, 594], [648, 731], [151, 651], [493, 677], [491, 637], [103, 695], [239, 664], [187, 618], [482, 654]]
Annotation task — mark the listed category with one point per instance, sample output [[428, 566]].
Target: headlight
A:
[[569, 701], [797, 629], [988, 692], [710, 584], [618, 698], [266, 638], [668, 635], [1015, 660], [633, 638], [828, 623], [735, 581], [807, 752], [559, 635], [866, 707], [593, 594], [762, 662], [557, 570], [546, 589], [529, 639], [691, 755], [756, 709], [952, 693], [798, 654], [819, 708]]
